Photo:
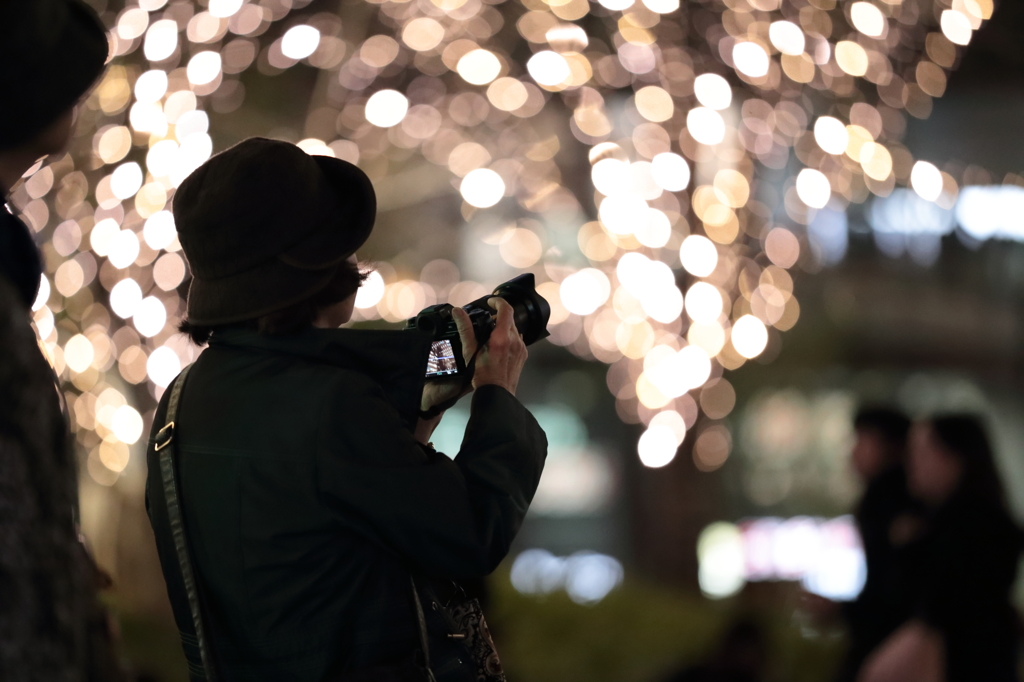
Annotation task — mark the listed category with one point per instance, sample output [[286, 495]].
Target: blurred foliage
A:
[[642, 632]]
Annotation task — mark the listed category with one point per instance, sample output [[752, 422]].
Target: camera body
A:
[[530, 313]]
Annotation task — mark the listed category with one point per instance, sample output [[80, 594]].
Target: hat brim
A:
[[253, 293], [326, 247]]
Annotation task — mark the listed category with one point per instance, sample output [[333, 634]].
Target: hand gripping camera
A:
[[531, 313]]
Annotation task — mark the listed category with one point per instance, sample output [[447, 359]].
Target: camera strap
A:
[[164, 444]]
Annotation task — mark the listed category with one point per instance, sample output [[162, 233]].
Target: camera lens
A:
[[531, 311]]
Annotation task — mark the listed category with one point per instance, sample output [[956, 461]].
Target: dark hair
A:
[[297, 316], [964, 436], [891, 424]]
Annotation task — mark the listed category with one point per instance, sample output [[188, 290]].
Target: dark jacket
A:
[[308, 502], [52, 626], [883, 604], [960, 571]]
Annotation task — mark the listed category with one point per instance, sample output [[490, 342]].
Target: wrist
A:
[[511, 389], [425, 428]]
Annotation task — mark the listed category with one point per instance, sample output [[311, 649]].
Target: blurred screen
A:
[[442, 359]]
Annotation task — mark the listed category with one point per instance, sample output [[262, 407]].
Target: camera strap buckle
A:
[[163, 437]]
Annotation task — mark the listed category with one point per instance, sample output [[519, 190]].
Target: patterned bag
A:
[[469, 620], [467, 632]]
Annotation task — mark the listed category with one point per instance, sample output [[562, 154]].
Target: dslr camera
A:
[[530, 312]]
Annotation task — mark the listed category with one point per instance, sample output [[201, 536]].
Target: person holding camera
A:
[[307, 529]]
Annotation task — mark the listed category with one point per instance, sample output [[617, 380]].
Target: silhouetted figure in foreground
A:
[[885, 517], [51, 623], [740, 657], [960, 566]]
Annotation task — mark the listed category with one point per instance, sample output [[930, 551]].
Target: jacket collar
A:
[[396, 360]]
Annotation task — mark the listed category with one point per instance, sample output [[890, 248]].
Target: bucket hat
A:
[[52, 51], [264, 225]]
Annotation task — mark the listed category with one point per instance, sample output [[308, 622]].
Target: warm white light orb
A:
[[150, 316], [222, 9], [585, 291], [831, 135], [161, 40], [813, 188], [549, 68], [386, 108], [151, 86], [787, 37], [616, 5], [123, 249], [703, 302], [479, 67], [162, 366], [705, 125], [712, 91], [79, 353], [657, 446], [956, 26], [671, 172], [749, 336], [126, 180], [611, 176], [662, 6], [127, 424], [102, 234], [482, 188], [159, 231], [926, 180], [750, 59], [191, 123], [698, 255], [300, 41], [674, 421], [203, 68], [867, 19], [622, 213]]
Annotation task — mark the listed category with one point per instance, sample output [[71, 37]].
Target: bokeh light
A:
[[813, 187], [926, 180], [787, 37], [657, 446], [712, 91], [711, 154], [749, 336], [698, 255], [299, 42], [386, 108], [482, 188]]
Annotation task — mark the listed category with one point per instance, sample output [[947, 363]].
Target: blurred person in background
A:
[[309, 490], [885, 517], [51, 624], [959, 567]]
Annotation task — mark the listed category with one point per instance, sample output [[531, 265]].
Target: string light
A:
[[678, 130]]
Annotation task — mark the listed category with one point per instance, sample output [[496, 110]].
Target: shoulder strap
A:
[[165, 447], [421, 622]]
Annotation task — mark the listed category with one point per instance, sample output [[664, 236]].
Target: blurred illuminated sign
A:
[[904, 222], [824, 555]]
